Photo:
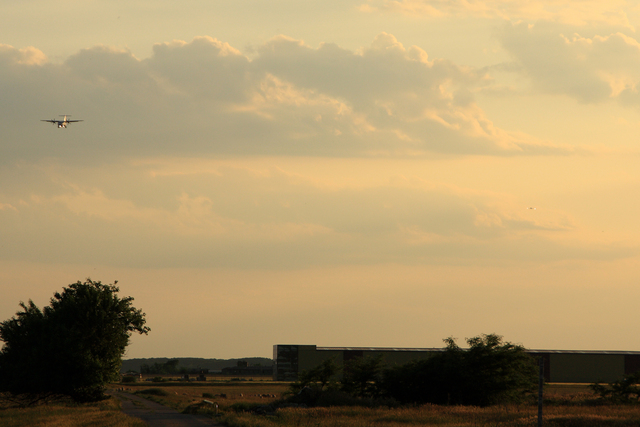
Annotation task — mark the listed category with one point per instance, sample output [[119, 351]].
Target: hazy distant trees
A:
[[73, 347], [169, 367]]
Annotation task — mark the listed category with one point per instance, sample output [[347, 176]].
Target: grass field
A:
[[565, 405], [429, 415], [103, 414], [181, 395]]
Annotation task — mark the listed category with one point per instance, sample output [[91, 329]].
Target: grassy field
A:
[[430, 415], [102, 414], [565, 405], [182, 395]]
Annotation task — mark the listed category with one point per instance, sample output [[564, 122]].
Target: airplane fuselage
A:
[[62, 123]]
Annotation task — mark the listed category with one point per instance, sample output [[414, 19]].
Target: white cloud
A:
[[206, 98], [589, 69], [572, 12]]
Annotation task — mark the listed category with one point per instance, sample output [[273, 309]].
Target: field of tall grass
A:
[[565, 406], [431, 415], [60, 414]]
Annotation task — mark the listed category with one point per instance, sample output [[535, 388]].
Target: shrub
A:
[[489, 372], [627, 390]]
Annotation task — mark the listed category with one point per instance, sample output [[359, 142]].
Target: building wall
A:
[[560, 366], [586, 368]]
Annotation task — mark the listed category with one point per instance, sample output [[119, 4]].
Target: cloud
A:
[[572, 12], [589, 69], [241, 217], [27, 56], [206, 98]]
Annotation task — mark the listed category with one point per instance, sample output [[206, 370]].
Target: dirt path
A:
[[157, 415]]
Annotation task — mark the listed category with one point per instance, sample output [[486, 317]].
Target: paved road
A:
[[157, 415]]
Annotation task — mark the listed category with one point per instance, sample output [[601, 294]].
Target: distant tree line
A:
[[169, 367], [489, 372]]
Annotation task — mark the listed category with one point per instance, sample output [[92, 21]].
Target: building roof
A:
[[438, 349]]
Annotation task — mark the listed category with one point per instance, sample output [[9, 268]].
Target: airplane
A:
[[62, 123]]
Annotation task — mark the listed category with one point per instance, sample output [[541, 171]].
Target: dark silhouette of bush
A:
[[362, 376], [626, 390], [489, 372]]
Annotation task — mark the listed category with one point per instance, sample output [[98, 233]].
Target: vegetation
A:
[[245, 404], [105, 413], [439, 415], [193, 364], [488, 373], [325, 374], [169, 367], [627, 390], [362, 377], [72, 348]]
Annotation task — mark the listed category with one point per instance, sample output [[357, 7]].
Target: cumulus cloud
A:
[[573, 12], [589, 69], [205, 98]]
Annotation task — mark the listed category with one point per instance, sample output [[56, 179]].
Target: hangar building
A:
[[561, 366]]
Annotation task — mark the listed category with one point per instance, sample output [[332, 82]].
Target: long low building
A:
[[561, 366]]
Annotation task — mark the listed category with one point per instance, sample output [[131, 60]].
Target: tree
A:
[[361, 376], [73, 347], [489, 372], [319, 377]]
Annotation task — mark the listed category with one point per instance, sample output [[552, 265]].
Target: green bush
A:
[[208, 395]]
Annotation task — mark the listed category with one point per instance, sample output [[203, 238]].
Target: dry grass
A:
[[441, 416], [566, 406], [180, 396], [102, 414]]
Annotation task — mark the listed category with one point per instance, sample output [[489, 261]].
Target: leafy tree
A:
[[490, 371], [319, 377], [361, 376], [73, 347]]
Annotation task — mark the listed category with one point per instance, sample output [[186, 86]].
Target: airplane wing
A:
[[50, 121], [73, 121]]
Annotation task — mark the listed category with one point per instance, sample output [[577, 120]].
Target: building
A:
[[560, 366]]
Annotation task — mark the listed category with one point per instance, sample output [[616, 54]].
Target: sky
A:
[[359, 173]]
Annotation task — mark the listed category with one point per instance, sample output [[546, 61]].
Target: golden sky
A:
[[339, 173]]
